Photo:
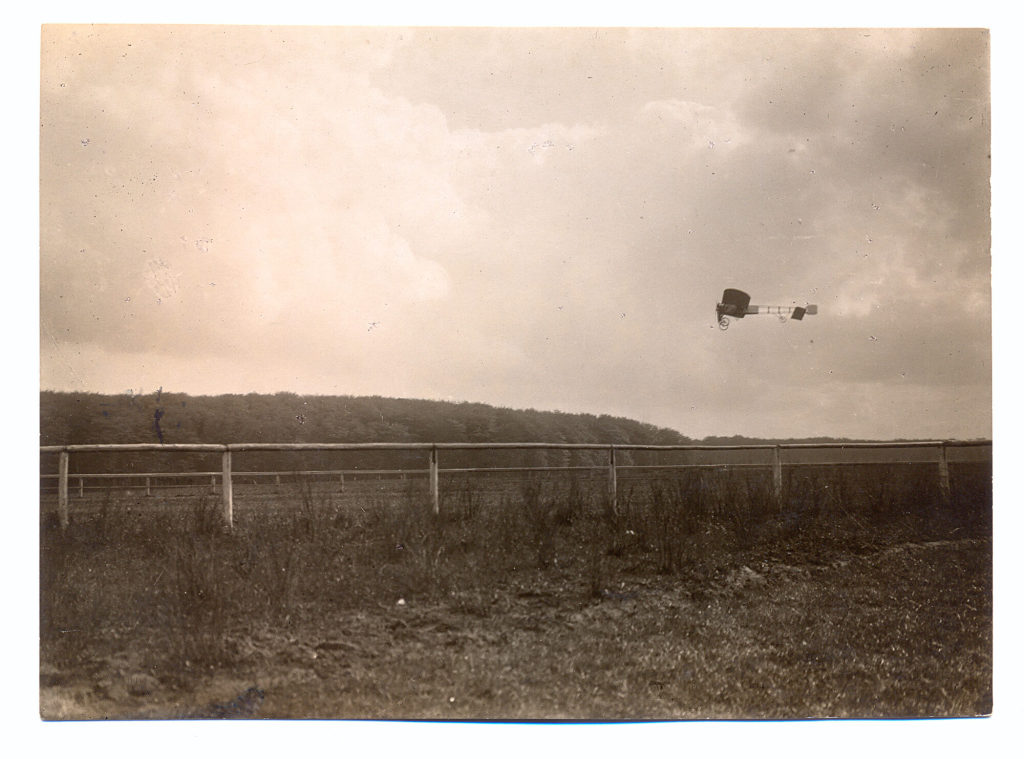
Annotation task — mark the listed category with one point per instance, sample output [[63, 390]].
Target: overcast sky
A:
[[528, 218]]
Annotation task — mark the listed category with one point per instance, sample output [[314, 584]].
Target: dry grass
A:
[[699, 598]]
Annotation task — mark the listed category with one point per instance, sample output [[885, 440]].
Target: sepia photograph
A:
[[514, 374]]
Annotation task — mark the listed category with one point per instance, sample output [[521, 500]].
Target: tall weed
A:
[[200, 601], [413, 548], [538, 512]]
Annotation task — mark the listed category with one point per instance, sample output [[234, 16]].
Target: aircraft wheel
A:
[[723, 323]]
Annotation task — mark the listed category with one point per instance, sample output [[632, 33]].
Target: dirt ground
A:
[[904, 631]]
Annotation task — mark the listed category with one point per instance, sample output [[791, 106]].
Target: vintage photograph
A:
[[514, 373]]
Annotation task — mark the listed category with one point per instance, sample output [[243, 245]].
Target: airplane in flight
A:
[[736, 304]]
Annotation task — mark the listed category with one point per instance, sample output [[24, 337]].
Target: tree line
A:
[[163, 417]]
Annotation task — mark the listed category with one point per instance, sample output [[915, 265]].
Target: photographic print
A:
[[508, 373]]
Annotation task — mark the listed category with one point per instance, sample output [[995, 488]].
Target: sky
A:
[[531, 218]]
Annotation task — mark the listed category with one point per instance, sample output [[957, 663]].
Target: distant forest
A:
[[77, 418]]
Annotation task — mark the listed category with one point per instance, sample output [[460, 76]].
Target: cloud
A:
[[201, 201]]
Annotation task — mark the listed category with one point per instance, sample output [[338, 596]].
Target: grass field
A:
[[863, 592]]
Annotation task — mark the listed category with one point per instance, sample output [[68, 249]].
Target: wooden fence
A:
[[432, 454]]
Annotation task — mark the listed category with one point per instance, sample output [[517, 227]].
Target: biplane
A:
[[736, 304]]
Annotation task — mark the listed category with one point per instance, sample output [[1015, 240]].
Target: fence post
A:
[[81, 487], [62, 490], [944, 474], [148, 492], [435, 491], [226, 487], [342, 479], [777, 472], [613, 490]]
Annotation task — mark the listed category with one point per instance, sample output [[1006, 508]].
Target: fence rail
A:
[[433, 470]]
